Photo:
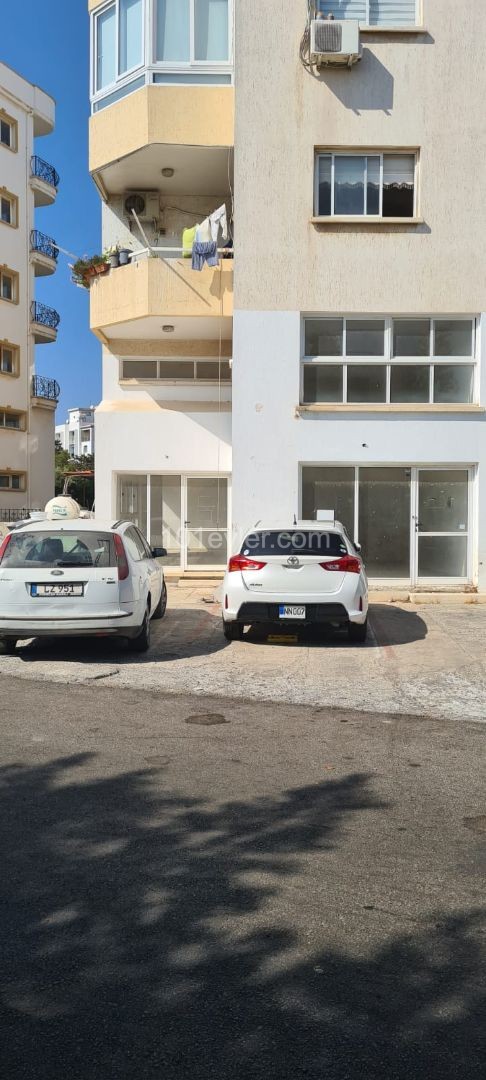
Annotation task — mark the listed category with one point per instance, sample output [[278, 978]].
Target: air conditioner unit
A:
[[145, 203], [335, 42]]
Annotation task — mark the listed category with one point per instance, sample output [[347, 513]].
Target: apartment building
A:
[[28, 399], [77, 434], [350, 367]]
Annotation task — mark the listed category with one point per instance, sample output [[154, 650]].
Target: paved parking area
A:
[[429, 660]]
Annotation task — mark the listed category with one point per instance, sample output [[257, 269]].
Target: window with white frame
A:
[[177, 370], [374, 184], [8, 131], [12, 481], [9, 358], [389, 361], [8, 208], [393, 13], [13, 421], [172, 40], [8, 286]]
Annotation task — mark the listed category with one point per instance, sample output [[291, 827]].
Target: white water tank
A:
[[62, 508]]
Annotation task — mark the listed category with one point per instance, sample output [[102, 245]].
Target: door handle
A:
[[187, 523]]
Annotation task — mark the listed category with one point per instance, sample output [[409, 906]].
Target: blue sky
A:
[[47, 41]]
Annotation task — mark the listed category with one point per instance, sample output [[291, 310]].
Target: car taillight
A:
[[4, 545], [121, 558], [240, 562], [347, 565]]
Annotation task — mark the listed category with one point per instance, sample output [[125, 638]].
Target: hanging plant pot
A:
[[124, 256], [114, 259]]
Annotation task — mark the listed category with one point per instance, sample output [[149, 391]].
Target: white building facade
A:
[[77, 434], [28, 398], [357, 334]]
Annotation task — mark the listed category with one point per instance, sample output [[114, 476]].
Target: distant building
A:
[[77, 434], [27, 400]]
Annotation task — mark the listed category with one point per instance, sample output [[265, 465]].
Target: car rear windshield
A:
[[46, 550], [294, 542]]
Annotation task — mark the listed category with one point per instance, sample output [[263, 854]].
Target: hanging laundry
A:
[[219, 220], [204, 252], [188, 238], [203, 232]]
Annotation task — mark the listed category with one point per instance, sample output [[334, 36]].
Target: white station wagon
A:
[[310, 573], [79, 577]]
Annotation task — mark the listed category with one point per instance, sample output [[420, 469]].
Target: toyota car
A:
[[309, 574]]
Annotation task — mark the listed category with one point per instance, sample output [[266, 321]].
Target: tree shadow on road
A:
[[149, 935]]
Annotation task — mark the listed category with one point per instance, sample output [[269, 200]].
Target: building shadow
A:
[[147, 934]]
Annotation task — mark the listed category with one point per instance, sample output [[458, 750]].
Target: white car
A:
[[310, 573], [79, 577]]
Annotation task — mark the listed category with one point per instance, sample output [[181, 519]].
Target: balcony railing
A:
[[44, 315], [43, 171], [10, 516], [48, 389], [45, 245]]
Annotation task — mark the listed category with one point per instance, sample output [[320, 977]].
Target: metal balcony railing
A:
[[44, 315], [10, 516], [44, 171], [48, 389], [45, 245]]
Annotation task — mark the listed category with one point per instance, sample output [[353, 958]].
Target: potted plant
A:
[[124, 256], [113, 256], [84, 270]]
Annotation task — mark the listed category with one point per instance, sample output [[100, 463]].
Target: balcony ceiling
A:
[[185, 329], [200, 170]]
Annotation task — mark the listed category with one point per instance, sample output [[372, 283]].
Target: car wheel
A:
[[357, 631], [162, 604], [8, 646], [141, 643], [233, 631]]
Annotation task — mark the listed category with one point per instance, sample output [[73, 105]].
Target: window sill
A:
[[393, 29], [324, 407], [383, 222]]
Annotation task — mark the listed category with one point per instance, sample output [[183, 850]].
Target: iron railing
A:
[[45, 245], [48, 389], [44, 171], [9, 516], [44, 315]]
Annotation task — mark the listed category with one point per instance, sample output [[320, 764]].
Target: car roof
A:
[[71, 525], [280, 526]]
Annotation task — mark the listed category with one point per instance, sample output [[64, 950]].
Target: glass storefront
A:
[[188, 515]]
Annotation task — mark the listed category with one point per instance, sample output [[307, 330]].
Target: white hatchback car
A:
[[310, 573], [79, 577]]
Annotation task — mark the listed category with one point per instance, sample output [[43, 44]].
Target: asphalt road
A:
[[206, 889]]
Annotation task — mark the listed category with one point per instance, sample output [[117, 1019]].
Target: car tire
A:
[[141, 643], [233, 631], [162, 604], [8, 646], [357, 632]]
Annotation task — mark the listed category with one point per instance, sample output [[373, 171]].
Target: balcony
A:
[[45, 392], [135, 302], [44, 253], [188, 129], [44, 322], [44, 181]]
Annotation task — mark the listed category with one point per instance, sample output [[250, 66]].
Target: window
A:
[[374, 12], [85, 434], [12, 420], [119, 44], [134, 544], [365, 185], [8, 131], [47, 549], [193, 31], [389, 361], [177, 370], [8, 209], [12, 481], [9, 359], [8, 285]]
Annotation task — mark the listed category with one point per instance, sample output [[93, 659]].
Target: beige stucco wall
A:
[[424, 91], [187, 115]]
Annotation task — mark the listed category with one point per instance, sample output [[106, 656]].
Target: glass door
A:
[[384, 522], [442, 526], [206, 523]]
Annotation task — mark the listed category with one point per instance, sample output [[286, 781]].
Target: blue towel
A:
[[202, 253]]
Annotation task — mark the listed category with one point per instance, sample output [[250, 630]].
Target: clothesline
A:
[[171, 251]]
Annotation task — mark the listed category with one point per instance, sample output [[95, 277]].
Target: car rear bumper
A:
[[25, 626], [264, 612]]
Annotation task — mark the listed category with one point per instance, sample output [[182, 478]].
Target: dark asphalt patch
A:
[[206, 719], [476, 824]]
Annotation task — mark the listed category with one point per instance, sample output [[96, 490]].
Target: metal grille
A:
[[45, 388], [9, 516], [44, 315], [45, 245], [328, 37], [43, 171]]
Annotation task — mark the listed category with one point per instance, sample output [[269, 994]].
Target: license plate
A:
[[291, 611], [57, 590]]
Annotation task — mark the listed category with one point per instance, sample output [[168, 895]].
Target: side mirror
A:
[[159, 552], [358, 548]]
